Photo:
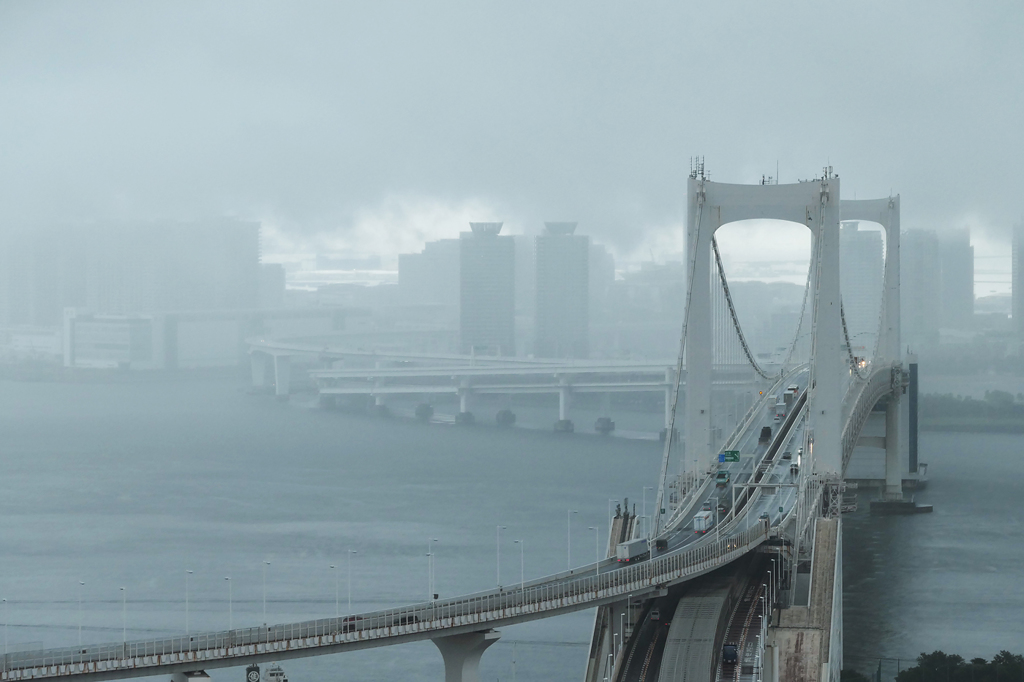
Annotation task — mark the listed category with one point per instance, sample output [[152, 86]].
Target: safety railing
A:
[[858, 405], [486, 609]]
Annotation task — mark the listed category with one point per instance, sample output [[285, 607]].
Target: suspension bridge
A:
[[772, 477]]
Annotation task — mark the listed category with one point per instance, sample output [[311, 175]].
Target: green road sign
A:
[[731, 456]]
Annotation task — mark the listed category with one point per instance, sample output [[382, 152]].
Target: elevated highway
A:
[[762, 496]]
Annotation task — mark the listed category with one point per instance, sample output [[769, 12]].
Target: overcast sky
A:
[[374, 126]]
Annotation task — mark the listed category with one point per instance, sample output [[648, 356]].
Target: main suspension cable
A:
[[732, 313]]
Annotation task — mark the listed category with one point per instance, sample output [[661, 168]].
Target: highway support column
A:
[[564, 424], [282, 375], [462, 654], [893, 468], [258, 361]]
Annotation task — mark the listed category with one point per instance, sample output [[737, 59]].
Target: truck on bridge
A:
[[632, 550], [703, 521]]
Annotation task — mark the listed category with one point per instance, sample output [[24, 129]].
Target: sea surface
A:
[[132, 485]]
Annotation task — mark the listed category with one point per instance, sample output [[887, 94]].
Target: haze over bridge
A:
[[776, 501]]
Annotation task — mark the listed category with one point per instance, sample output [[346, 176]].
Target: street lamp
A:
[[265, 564], [80, 586], [350, 553], [430, 567], [644, 507], [5, 627], [498, 544], [622, 628], [187, 574], [337, 611], [522, 570], [124, 616], [568, 542], [777, 577], [597, 550], [231, 621]]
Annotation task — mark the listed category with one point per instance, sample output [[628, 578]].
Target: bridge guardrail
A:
[[878, 384], [484, 609]]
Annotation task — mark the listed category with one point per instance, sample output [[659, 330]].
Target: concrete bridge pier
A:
[[282, 375], [564, 398], [462, 654], [258, 362], [465, 415], [893, 469]]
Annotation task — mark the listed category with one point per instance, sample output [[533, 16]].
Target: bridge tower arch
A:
[[886, 212], [815, 204]]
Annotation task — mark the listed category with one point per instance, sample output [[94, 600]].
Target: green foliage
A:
[[939, 666]]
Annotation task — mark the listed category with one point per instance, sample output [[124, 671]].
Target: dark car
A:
[[787, 455], [350, 624], [729, 654]]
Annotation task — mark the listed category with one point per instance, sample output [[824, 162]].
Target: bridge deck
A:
[[538, 599]]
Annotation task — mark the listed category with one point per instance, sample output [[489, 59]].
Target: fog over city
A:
[[511, 341], [372, 127]]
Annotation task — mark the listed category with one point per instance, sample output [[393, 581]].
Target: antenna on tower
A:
[[697, 167]]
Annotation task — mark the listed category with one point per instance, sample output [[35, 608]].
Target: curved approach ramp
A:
[[690, 650], [680, 636]]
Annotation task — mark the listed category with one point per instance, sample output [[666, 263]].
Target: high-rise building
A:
[[487, 305], [43, 269], [127, 268], [920, 287], [272, 285], [602, 278], [957, 261], [860, 280], [430, 277], [563, 293]]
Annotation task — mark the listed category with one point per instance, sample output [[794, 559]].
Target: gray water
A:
[[132, 484], [950, 580]]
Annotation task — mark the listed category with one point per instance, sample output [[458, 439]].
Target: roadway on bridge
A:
[[775, 502]]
